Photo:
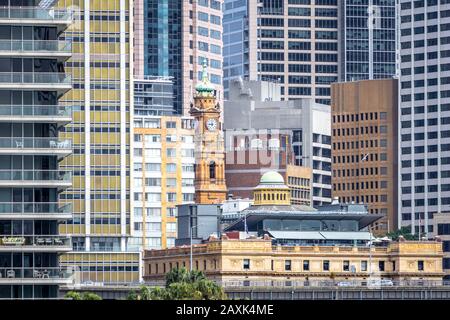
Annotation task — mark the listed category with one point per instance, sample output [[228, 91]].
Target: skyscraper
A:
[[101, 68], [32, 80], [294, 43], [367, 39], [173, 38], [424, 113]]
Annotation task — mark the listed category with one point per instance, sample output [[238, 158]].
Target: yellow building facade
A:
[[163, 177], [256, 259], [101, 69]]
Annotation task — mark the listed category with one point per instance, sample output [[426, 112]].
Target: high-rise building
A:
[[424, 118], [163, 177], [294, 43], [32, 80], [174, 38], [101, 69], [256, 120], [364, 138], [367, 39]]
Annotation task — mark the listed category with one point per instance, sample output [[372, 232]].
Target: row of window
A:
[[359, 117]]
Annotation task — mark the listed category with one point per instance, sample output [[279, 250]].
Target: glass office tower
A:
[[424, 114], [367, 39], [294, 43], [32, 79]]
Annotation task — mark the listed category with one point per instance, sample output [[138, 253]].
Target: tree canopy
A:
[[182, 284]]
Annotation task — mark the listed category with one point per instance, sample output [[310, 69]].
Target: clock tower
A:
[[210, 187]]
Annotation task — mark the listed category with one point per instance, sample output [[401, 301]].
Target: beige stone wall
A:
[[224, 260]]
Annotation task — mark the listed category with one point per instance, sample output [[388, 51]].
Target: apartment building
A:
[[102, 96], [364, 138], [32, 81], [163, 177]]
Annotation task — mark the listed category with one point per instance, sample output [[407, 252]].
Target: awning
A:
[[330, 235], [297, 235]]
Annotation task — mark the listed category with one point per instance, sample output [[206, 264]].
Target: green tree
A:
[[82, 296], [182, 284], [73, 295], [403, 231], [91, 296]]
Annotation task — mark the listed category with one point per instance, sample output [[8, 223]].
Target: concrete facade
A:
[[365, 144], [254, 110]]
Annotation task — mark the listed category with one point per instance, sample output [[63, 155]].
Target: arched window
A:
[[212, 170]]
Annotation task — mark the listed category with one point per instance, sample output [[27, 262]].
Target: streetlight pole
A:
[[190, 258]]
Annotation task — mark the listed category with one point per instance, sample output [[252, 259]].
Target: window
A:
[[326, 265], [306, 265], [363, 265], [246, 264], [420, 265], [381, 265], [346, 265], [212, 170], [288, 265]]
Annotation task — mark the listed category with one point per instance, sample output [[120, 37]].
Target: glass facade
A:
[[163, 43], [368, 46], [32, 78]]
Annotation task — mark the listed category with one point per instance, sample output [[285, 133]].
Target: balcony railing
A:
[[36, 241], [35, 175], [10, 12], [35, 110], [36, 46], [34, 143], [35, 78], [36, 273], [35, 207]]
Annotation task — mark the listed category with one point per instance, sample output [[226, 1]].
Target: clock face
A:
[[211, 124]]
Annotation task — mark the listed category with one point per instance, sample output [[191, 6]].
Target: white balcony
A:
[[40, 243], [35, 210], [50, 81], [36, 114], [36, 275], [61, 18], [35, 146], [61, 50], [35, 178]]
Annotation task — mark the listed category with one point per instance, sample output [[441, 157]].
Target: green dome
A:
[[272, 177]]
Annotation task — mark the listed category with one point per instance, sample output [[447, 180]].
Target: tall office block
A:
[[424, 114], [367, 39], [101, 68], [294, 43], [32, 80], [173, 38], [364, 137]]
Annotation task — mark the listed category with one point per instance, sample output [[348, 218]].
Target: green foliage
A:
[[182, 284], [405, 232], [82, 296]]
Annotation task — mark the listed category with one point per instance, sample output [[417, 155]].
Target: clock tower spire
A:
[[210, 187]]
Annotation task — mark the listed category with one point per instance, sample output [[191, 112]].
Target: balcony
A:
[[35, 210], [62, 18], [36, 48], [50, 81], [36, 114], [36, 275], [41, 243], [35, 146], [35, 178]]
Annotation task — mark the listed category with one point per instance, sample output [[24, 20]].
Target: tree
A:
[[405, 232], [182, 284], [84, 296]]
